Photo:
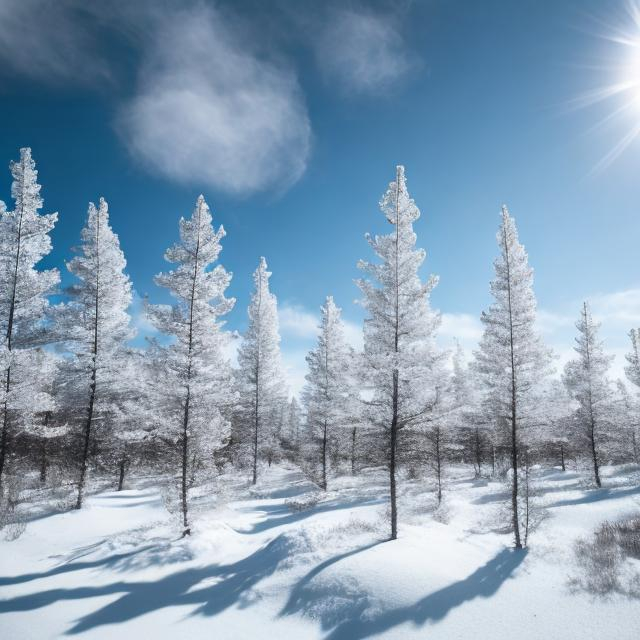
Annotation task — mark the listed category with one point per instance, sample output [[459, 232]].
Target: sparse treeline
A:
[[78, 399]]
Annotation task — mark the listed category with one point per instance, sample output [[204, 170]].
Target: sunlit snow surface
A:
[[270, 564]]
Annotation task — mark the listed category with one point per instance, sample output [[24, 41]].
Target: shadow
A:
[[490, 498], [299, 594], [69, 567], [292, 517], [482, 583], [597, 495], [231, 585]]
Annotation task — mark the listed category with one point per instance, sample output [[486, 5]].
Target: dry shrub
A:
[[603, 559]]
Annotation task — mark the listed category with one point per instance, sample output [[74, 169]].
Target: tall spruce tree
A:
[[587, 383], [329, 394], [260, 377], [511, 360], [399, 330], [95, 327], [194, 373], [24, 241]]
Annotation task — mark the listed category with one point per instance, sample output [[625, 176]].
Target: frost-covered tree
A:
[[399, 330], [464, 416], [511, 360], [95, 327], [193, 372], [47, 396], [587, 383], [260, 378], [329, 394], [24, 241], [555, 429], [626, 420], [632, 370], [294, 424]]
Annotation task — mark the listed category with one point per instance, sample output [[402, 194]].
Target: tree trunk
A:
[[562, 457], [43, 461], [87, 438], [526, 495], [514, 487], [634, 440], [185, 460], [392, 458], [493, 460], [255, 434], [594, 453], [438, 466], [123, 464], [478, 453], [324, 457], [353, 451]]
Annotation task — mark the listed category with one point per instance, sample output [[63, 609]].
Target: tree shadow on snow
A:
[[224, 586], [353, 625], [291, 517], [596, 495]]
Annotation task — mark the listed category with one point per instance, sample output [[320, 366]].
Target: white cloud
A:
[[297, 321], [464, 326], [209, 110], [362, 51], [619, 307], [295, 369]]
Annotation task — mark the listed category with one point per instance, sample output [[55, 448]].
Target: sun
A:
[[621, 93]]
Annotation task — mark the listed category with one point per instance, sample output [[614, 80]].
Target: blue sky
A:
[[291, 117]]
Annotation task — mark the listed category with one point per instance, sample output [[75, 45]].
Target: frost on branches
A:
[[95, 326], [330, 396], [512, 360], [24, 241], [193, 372], [587, 383], [260, 379], [399, 330]]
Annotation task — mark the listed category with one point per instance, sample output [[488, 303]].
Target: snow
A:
[[266, 563]]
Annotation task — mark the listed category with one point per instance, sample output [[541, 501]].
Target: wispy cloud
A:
[[464, 326], [51, 42], [361, 50], [209, 110], [297, 321]]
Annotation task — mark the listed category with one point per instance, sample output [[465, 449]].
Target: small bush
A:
[[12, 521], [602, 560], [302, 503]]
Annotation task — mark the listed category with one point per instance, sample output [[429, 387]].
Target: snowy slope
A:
[[260, 566]]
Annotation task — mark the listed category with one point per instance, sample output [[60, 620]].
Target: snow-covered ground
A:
[[270, 564]]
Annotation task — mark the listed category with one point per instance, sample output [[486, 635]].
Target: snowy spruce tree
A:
[[95, 327], [260, 378], [511, 360], [586, 381], [329, 394], [464, 416], [632, 371], [626, 420], [24, 241], [194, 389], [399, 330]]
